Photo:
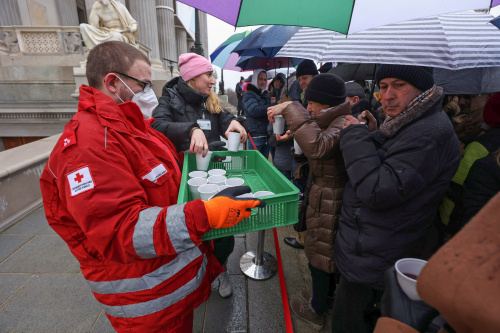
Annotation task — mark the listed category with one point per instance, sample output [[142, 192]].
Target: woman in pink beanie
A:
[[189, 114]]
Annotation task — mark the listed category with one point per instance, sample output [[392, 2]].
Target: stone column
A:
[[181, 40], [143, 11], [204, 33], [9, 13], [68, 14], [166, 30]]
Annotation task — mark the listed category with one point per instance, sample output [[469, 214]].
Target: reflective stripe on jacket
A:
[[110, 192]]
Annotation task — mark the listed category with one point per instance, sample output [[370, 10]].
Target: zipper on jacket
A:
[[358, 225]]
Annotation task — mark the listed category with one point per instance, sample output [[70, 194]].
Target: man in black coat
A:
[[397, 177], [239, 95]]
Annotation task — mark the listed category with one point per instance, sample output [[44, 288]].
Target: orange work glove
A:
[[225, 210]]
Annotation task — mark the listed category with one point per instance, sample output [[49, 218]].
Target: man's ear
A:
[[110, 82], [355, 99]]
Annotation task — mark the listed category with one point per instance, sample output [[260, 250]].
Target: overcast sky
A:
[[219, 31]]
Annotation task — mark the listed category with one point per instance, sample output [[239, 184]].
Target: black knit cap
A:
[[420, 77], [306, 67], [326, 89]]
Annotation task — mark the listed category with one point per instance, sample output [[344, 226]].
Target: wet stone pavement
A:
[[43, 290]]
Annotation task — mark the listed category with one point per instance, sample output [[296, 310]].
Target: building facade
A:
[[42, 58]]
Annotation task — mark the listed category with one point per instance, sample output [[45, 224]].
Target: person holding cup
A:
[[317, 132], [255, 103], [189, 113], [398, 174]]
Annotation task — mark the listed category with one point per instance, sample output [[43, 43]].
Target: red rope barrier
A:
[[284, 296]]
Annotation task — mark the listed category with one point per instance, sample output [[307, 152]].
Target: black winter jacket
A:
[[482, 184], [180, 106], [255, 104], [397, 177]]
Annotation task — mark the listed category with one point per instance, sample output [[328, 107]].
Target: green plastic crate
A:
[[281, 209]]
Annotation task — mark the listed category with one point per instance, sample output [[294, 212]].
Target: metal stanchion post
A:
[[259, 266]]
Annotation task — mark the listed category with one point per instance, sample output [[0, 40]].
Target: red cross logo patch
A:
[[80, 181]]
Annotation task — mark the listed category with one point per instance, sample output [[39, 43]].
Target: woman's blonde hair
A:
[[212, 103]]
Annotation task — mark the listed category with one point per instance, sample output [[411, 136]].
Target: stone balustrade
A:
[[20, 171], [41, 40]]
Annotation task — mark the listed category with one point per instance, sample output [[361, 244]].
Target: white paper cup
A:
[[193, 184], [279, 124], [296, 147], [262, 194], [246, 195], [233, 141], [407, 271], [207, 191], [223, 187], [235, 181], [218, 180], [203, 162], [198, 174], [216, 172]]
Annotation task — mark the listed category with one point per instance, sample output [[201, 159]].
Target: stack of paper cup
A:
[[218, 180], [216, 172], [235, 181], [197, 174], [194, 184], [207, 191]]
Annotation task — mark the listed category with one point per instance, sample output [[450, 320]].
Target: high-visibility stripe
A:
[[149, 280], [177, 229], [149, 307], [143, 233]]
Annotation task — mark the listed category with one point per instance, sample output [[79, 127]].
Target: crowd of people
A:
[[382, 177]]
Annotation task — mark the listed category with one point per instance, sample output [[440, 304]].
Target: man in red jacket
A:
[[110, 189]]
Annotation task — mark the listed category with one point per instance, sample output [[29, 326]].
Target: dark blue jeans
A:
[[261, 144]]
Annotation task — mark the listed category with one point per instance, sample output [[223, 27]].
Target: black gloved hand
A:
[[218, 158], [396, 305], [217, 146]]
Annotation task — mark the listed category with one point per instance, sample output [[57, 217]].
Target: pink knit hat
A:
[[192, 65]]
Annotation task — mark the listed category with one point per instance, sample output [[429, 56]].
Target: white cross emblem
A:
[[66, 142]]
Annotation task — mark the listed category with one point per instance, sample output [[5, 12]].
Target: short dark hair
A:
[[110, 57]]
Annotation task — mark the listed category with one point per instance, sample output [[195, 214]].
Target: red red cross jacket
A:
[[110, 191]]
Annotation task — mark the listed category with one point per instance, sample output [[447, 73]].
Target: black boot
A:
[[292, 241]]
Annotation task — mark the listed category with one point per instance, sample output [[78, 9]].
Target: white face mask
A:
[[146, 101]]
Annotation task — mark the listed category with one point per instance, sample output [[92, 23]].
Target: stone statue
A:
[[73, 42], [109, 20]]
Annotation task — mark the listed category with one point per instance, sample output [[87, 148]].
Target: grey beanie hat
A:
[[354, 89]]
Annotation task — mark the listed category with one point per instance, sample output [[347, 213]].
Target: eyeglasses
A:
[[147, 86]]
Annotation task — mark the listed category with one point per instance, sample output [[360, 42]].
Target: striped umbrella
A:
[[345, 16], [451, 41]]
